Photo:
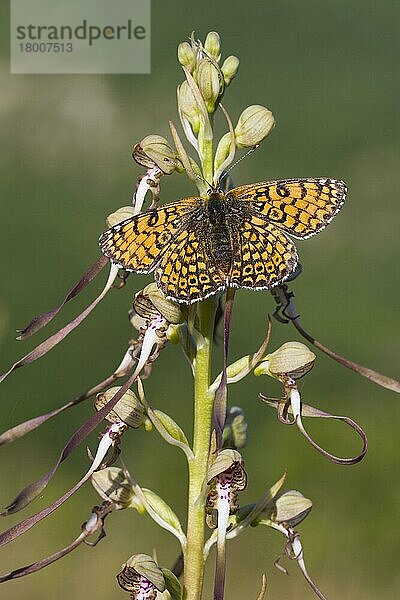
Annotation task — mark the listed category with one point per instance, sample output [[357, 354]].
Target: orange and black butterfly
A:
[[198, 246]]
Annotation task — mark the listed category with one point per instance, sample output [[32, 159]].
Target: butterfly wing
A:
[[264, 256], [187, 272], [138, 243], [301, 207]]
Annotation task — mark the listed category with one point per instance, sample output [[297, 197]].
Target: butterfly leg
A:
[[285, 310], [122, 276]]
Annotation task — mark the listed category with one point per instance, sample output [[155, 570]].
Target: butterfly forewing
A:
[[137, 244], [301, 207]]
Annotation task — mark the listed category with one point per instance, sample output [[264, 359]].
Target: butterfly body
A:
[[223, 222], [198, 246]]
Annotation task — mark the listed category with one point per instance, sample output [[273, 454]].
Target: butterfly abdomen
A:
[[220, 244]]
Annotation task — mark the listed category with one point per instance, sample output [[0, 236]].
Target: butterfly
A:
[[199, 246]]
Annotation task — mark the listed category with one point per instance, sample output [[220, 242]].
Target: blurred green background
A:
[[329, 72]]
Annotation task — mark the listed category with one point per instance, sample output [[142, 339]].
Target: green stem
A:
[[208, 161], [206, 142], [203, 410]]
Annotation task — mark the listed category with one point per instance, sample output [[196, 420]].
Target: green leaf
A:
[[172, 584], [165, 425], [171, 427], [161, 508]]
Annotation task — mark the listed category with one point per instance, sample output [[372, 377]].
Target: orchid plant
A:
[[215, 464]]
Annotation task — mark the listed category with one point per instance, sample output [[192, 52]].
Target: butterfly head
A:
[[215, 192]]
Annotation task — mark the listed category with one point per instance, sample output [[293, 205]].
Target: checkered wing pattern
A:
[[264, 256], [301, 207], [187, 272], [197, 247], [138, 243]]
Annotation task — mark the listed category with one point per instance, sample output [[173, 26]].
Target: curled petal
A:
[[150, 340], [55, 339], [263, 590], [294, 550], [34, 489], [106, 442], [31, 491], [126, 363], [336, 459], [285, 299], [146, 183], [41, 564], [310, 411], [295, 403], [94, 524], [22, 429], [42, 320], [374, 376]]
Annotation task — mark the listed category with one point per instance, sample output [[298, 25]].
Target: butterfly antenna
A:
[[227, 171], [200, 177]]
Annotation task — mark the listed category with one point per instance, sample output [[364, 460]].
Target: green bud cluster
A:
[[201, 61]]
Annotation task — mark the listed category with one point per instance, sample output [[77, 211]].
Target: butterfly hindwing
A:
[[301, 207], [187, 272], [138, 243], [264, 256]]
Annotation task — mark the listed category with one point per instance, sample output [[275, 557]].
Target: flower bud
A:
[[212, 45], [254, 124], [211, 83], [128, 409], [291, 508], [112, 484], [151, 301], [187, 56], [292, 359], [229, 68], [188, 106], [136, 320], [141, 157], [125, 212], [136, 568], [224, 461], [154, 150], [226, 477]]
